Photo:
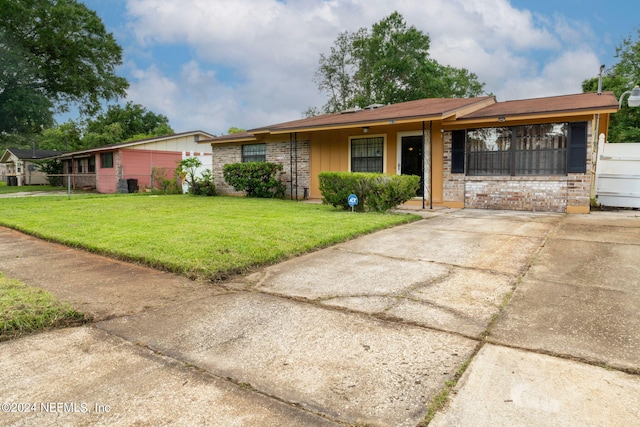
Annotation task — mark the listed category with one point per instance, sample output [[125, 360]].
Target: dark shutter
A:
[[457, 151], [577, 159]]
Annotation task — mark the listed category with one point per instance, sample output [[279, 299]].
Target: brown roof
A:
[[584, 102], [430, 108], [423, 109], [455, 109]]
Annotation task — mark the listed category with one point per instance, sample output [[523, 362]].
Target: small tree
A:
[[53, 169], [202, 185]]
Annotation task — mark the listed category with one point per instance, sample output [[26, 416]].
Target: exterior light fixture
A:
[[365, 129], [501, 119], [634, 97]]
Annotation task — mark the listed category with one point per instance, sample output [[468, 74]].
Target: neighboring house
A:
[[21, 166], [130, 166], [532, 154]]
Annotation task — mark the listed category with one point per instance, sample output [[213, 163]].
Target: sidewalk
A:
[[363, 333]]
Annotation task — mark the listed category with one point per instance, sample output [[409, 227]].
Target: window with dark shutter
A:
[[577, 162], [457, 151]]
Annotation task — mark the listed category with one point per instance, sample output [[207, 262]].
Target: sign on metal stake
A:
[[353, 201]]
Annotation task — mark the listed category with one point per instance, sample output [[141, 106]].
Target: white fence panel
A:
[[207, 163], [618, 175]]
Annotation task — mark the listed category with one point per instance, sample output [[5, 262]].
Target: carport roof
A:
[[584, 103]]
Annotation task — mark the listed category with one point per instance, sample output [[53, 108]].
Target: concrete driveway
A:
[[542, 307]]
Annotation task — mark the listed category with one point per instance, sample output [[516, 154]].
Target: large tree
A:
[[118, 124], [623, 76], [388, 63], [54, 54]]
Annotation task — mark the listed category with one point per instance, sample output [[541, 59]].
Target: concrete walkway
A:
[[542, 307]]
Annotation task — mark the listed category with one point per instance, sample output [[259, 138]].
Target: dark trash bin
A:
[[12, 181], [132, 185]]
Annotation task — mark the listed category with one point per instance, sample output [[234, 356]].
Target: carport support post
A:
[[69, 186], [424, 153]]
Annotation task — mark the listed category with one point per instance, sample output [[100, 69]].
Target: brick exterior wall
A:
[[548, 194], [452, 183], [276, 152], [530, 193]]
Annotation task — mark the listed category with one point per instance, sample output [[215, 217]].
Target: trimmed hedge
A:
[[376, 192], [257, 179]]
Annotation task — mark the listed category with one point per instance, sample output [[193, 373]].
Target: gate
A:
[[618, 175]]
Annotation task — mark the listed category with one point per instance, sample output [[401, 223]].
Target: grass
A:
[[199, 237], [441, 400], [5, 189], [25, 310]]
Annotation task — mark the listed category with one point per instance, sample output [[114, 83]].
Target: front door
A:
[[411, 162]]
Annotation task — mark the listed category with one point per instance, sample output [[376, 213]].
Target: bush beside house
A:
[[257, 179], [376, 192]]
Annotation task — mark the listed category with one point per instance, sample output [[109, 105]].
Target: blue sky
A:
[[212, 64]]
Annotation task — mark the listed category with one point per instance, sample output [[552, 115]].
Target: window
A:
[[544, 149], [92, 164], [367, 154], [106, 160], [489, 151], [254, 153]]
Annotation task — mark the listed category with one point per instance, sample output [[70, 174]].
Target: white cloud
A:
[[255, 59]]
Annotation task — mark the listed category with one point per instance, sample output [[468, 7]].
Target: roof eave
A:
[[530, 116]]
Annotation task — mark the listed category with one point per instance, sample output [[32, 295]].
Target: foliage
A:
[[64, 137], [24, 310], [54, 54], [388, 64], [201, 184], [376, 192], [257, 179], [204, 185], [625, 124], [165, 180], [53, 169], [118, 124], [133, 121], [234, 129], [210, 238]]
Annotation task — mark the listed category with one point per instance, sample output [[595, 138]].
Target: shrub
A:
[[257, 179], [202, 185], [53, 169], [376, 192]]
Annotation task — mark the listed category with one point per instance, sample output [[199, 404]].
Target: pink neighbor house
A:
[[130, 166]]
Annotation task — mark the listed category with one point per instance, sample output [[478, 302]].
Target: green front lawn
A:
[[5, 189], [24, 310], [204, 237]]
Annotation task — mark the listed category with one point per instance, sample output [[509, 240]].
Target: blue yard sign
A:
[[353, 200]]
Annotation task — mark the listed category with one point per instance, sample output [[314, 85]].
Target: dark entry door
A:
[[412, 160]]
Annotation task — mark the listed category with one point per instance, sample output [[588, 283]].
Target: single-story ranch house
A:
[[21, 166], [533, 154], [129, 166]]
